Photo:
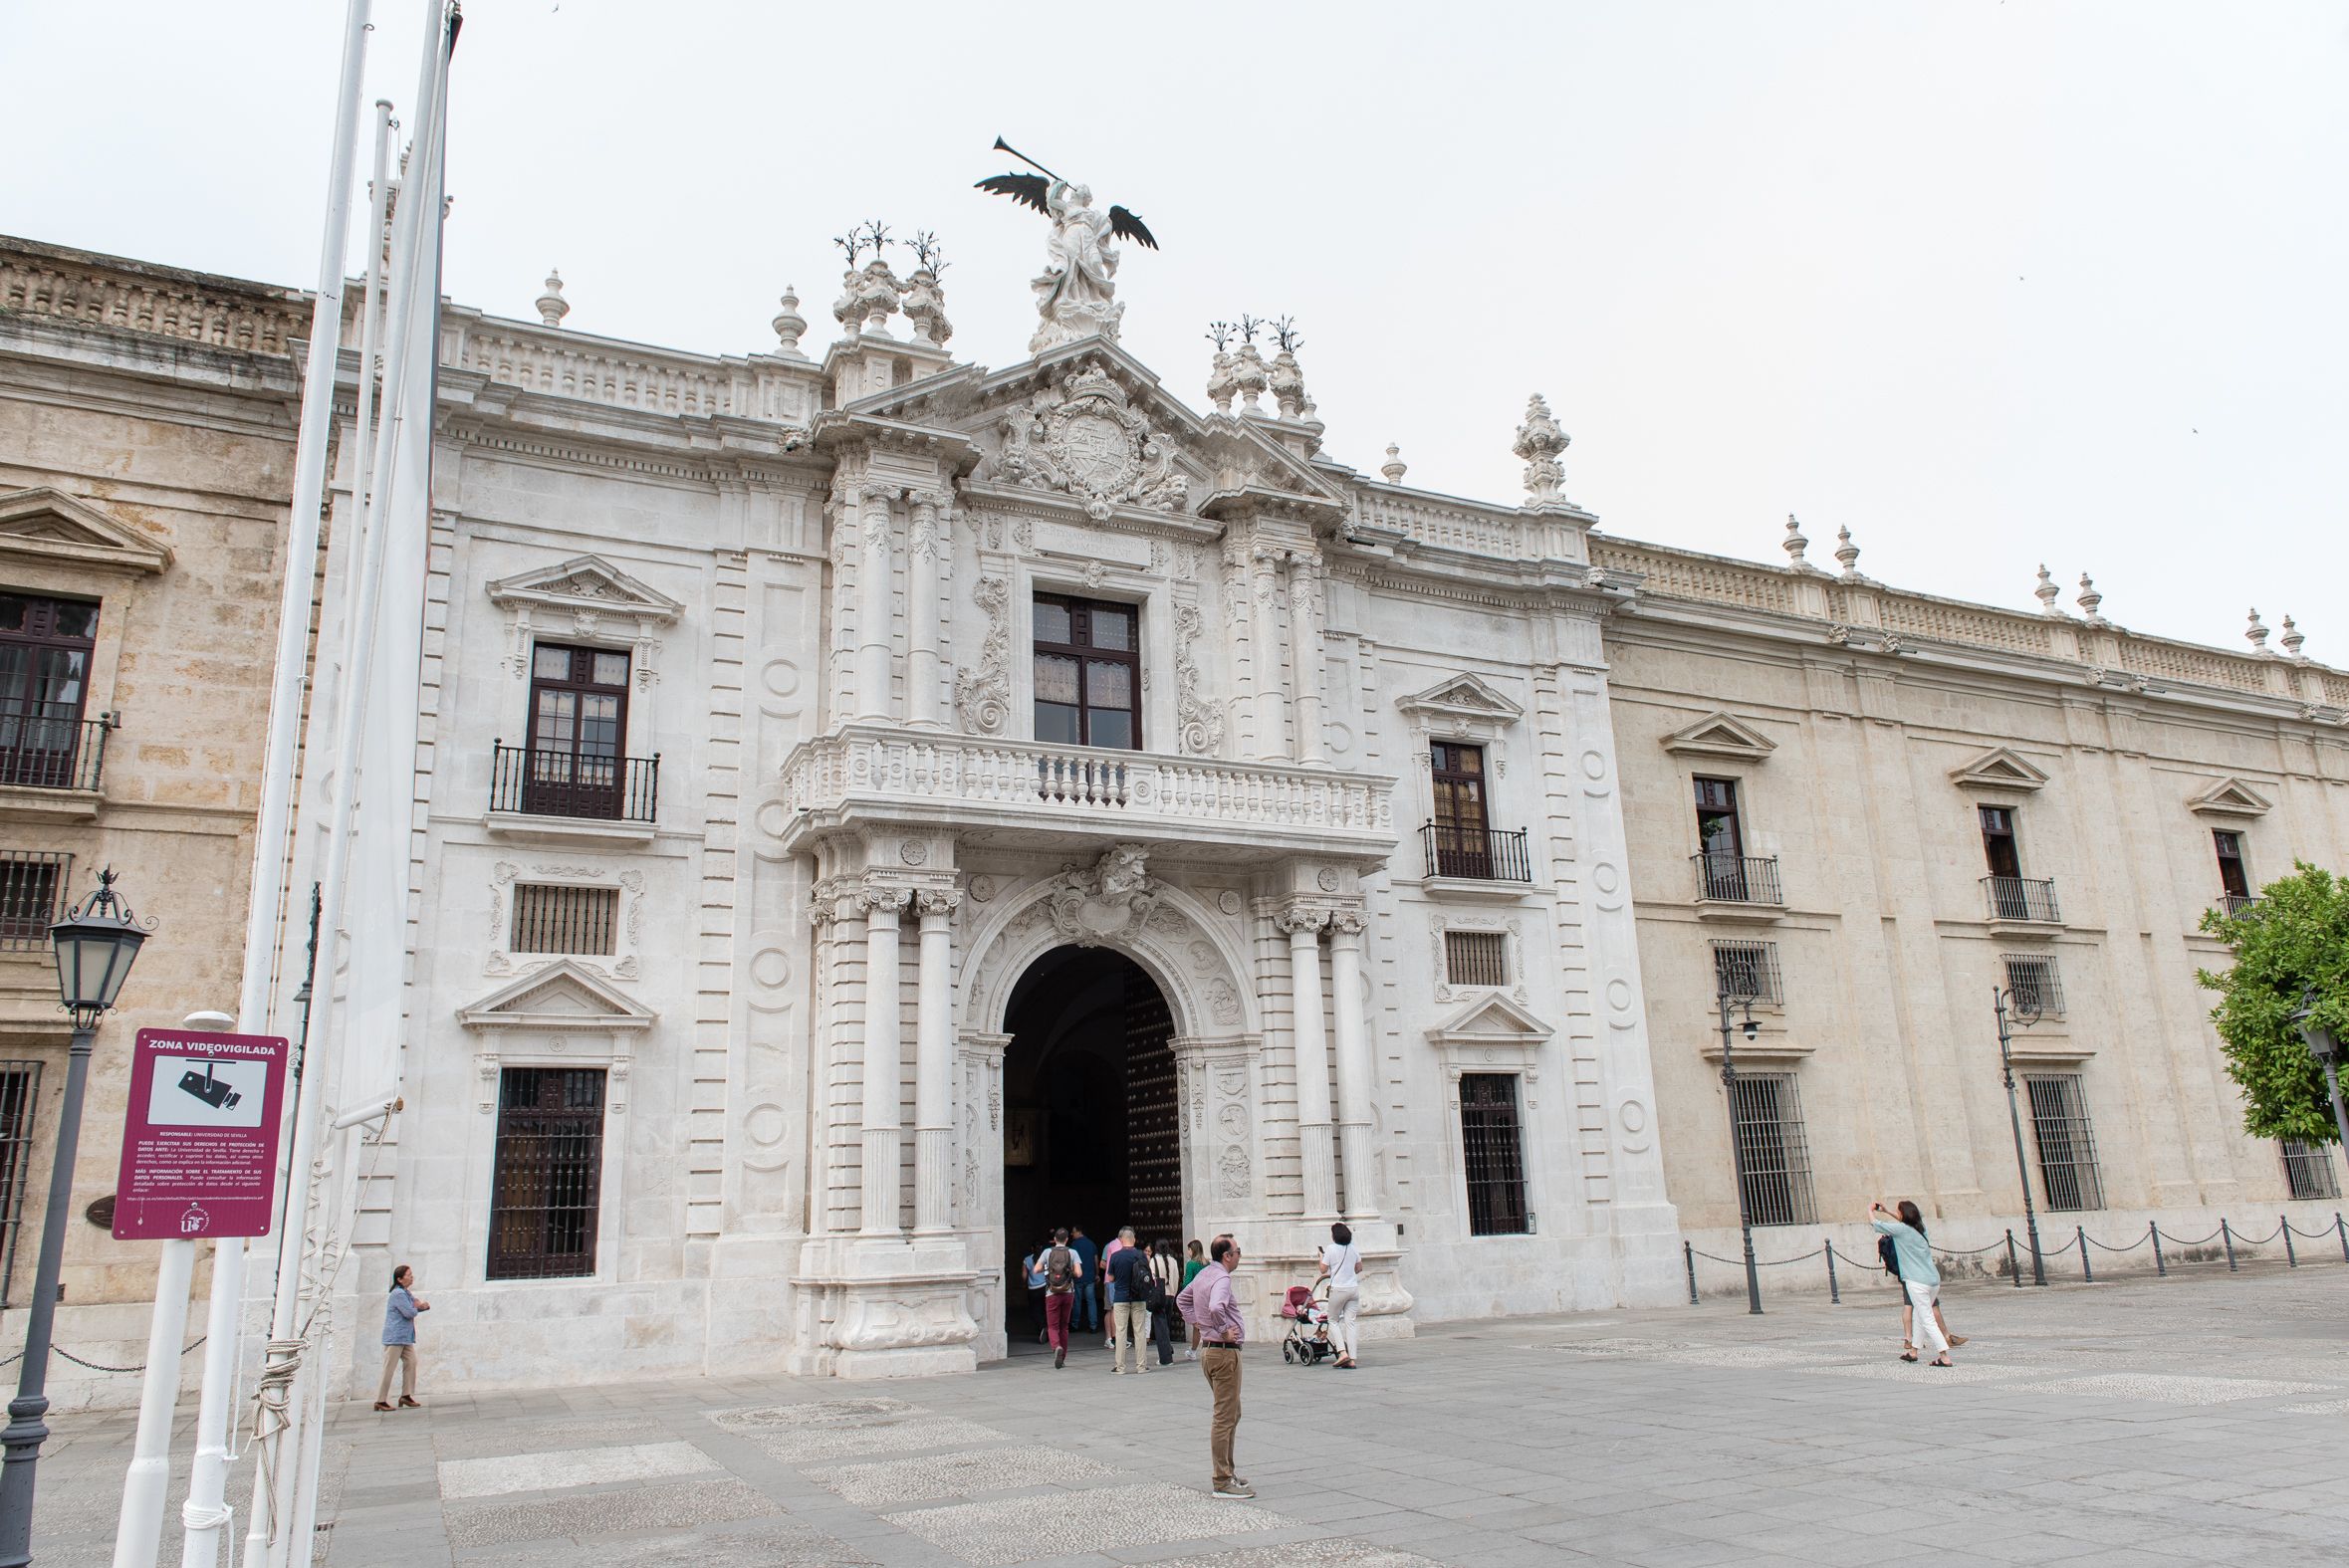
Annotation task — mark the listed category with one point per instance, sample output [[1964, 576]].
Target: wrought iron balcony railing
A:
[[2234, 904], [2021, 898], [42, 753], [568, 783], [1738, 879], [1481, 854]]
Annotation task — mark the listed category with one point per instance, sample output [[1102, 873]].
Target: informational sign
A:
[[199, 1144]]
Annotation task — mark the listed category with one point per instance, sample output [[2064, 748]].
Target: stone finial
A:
[[1794, 543], [925, 307], [1288, 378], [1394, 467], [788, 323], [1539, 442], [2256, 635], [1847, 553], [553, 307], [2047, 594], [2291, 642], [2089, 599]]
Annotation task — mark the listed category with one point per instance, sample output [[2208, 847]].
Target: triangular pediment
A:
[[2229, 798], [1721, 735], [586, 583], [2000, 768], [563, 995], [1491, 1020], [43, 523], [1464, 696]]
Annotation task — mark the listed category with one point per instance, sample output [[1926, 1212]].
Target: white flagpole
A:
[[139, 1529], [415, 243]]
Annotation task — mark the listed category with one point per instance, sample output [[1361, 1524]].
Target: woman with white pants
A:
[[1341, 1265], [1917, 1275]]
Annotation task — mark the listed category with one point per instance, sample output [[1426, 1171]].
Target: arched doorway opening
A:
[[1092, 1131]]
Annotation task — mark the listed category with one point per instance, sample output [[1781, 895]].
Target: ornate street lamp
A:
[[96, 944], [2326, 1049], [1736, 1144], [2024, 1010]]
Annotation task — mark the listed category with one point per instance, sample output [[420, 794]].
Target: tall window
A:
[[2067, 1145], [1720, 840], [1462, 841], [2010, 899], [2234, 880], [1773, 1154], [1089, 673], [2308, 1170], [33, 885], [1496, 1155], [579, 712], [549, 1173], [20, 1092], [44, 651]]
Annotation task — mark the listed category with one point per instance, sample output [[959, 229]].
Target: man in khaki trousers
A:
[[1209, 1302]]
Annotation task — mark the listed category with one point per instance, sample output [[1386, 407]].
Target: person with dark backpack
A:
[[1059, 1294], [1890, 1258], [1165, 1280]]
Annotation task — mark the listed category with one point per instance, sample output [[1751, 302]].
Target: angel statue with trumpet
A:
[[1075, 293]]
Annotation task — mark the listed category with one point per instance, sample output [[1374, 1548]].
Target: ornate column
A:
[[1315, 1133], [933, 1098], [876, 621], [925, 659], [884, 1067], [1263, 611], [1239, 624], [1353, 1063], [1305, 642]]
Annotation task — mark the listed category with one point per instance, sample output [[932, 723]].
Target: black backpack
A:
[[1890, 1255], [1153, 1287]]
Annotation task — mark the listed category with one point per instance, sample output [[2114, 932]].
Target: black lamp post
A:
[[2326, 1049], [2025, 1012], [1736, 1144], [95, 945]]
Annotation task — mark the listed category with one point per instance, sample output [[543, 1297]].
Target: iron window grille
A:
[[552, 918], [1494, 1147], [2034, 984], [1748, 972], [2308, 1168], [19, 1098], [549, 1173], [1773, 1156], [1475, 958], [2066, 1142], [34, 888]]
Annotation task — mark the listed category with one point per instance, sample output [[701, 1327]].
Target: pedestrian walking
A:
[[1917, 1275], [1195, 1260], [1032, 1269], [1129, 1301], [1341, 1264], [1061, 1267], [399, 1339], [1166, 1282], [1890, 1255], [1117, 1244], [1087, 1313], [1209, 1302]]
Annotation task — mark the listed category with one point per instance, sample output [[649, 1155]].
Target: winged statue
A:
[[1076, 294]]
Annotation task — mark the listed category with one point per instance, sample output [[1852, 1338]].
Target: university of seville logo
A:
[[1084, 437], [195, 1221]]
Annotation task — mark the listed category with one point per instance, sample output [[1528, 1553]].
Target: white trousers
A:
[[1344, 1305], [1924, 1327]]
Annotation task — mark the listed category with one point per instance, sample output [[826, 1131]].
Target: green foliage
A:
[[2294, 939]]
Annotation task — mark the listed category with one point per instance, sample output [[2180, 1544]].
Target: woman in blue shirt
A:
[[1917, 1275], [399, 1339]]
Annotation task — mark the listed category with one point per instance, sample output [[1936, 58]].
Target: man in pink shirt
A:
[[1209, 1302]]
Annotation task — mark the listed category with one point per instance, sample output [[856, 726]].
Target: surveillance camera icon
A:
[[209, 1089]]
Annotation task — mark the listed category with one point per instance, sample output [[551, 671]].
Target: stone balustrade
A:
[[133, 296], [617, 375]]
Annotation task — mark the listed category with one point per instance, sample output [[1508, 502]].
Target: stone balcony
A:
[[1070, 797]]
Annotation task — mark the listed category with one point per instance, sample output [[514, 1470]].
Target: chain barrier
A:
[[99, 1366]]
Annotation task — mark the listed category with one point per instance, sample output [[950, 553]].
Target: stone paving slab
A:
[[1022, 1530], [676, 1506], [512, 1473], [957, 1474]]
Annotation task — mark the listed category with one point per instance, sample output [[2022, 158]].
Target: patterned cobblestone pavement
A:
[[2201, 1420]]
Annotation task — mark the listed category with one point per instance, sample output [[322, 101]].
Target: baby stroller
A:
[[1306, 1309]]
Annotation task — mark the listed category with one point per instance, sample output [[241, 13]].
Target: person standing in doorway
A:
[[1918, 1274], [1195, 1261], [1059, 1294], [1032, 1269], [1129, 1301], [1086, 1315], [1341, 1265], [1167, 1281], [399, 1339], [1209, 1302], [1122, 1239]]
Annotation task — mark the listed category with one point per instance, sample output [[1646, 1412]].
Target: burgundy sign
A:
[[199, 1147]]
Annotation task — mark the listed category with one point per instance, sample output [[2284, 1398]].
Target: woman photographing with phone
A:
[[1917, 1275]]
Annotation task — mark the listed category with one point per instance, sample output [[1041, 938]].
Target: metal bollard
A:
[[2291, 1257], [2014, 1268], [2160, 1268], [1835, 1296], [1688, 1253], [2230, 1237], [2086, 1273], [2341, 1231]]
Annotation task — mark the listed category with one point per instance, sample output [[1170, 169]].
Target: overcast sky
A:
[[1990, 284]]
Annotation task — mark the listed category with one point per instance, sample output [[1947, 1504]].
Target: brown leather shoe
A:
[[379, 1405], [406, 1403]]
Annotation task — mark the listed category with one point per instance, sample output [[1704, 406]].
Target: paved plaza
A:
[[2188, 1420]]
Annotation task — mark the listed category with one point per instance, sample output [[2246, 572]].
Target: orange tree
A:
[[2291, 941]]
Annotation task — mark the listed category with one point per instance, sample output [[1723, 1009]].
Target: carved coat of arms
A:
[[1114, 895], [1084, 437]]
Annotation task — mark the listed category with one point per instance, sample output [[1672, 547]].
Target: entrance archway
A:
[[1092, 1130]]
